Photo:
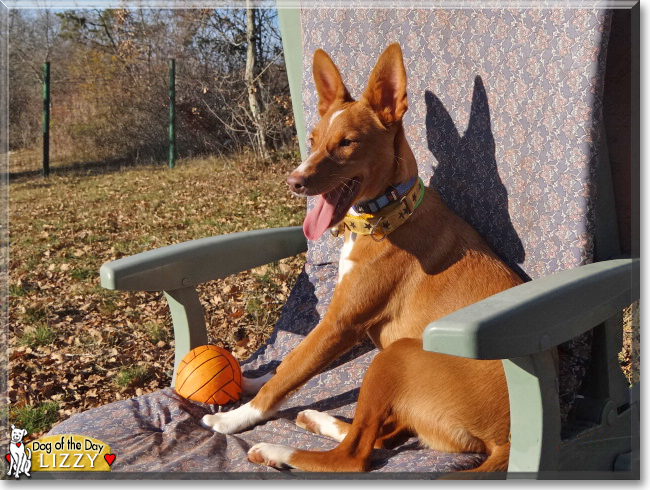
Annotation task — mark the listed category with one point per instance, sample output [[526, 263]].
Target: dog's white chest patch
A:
[[345, 264]]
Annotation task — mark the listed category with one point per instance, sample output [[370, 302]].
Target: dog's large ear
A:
[[24, 433], [329, 83], [386, 90]]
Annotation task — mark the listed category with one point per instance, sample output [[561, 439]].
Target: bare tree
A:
[[33, 37], [109, 81], [251, 86]]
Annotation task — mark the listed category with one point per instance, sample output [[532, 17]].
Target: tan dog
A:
[[428, 263]]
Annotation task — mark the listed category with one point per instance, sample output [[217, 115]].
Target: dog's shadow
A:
[[467, 177]]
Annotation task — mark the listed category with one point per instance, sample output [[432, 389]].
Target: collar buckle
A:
[[337, 230]]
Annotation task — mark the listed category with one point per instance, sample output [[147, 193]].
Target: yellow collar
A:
[[380, 224]]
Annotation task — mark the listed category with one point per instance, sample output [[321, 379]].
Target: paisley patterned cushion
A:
[[160, 432]]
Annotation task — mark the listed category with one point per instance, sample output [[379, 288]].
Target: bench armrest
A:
[[537, 315], [195, 262]]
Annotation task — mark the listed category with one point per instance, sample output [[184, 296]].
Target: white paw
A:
[[273, 455], [251, 386], [233, 421], [320, 423]]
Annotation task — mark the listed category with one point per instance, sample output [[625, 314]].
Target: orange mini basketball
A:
[[209, 374]]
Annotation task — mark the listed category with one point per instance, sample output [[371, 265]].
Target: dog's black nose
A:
[[296, 183]]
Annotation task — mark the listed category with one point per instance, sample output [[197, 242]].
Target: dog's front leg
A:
[[252, 386], [324, 344]]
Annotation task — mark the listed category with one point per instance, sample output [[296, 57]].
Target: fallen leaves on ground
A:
[[79, 345]]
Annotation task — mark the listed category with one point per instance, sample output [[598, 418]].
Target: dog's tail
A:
[[30, 453], [497, 460]]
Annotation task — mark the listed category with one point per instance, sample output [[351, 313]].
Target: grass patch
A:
[[41, 335], [83, 274], [34, 418], [108, 305], [16, 291], [254, 194], [34, 315], [254, 307], [266, 279], [156, 332], [131, 376]]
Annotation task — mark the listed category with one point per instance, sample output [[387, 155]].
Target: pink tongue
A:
[[319, 218]]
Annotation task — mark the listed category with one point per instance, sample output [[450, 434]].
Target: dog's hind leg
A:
[[352, 454], [323, 424], [390, 435], [498, 457]]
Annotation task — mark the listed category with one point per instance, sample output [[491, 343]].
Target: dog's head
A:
[[353, 148], [17, 434]]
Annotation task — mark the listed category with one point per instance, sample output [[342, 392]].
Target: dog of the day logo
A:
[[57, 453], [19, 457]]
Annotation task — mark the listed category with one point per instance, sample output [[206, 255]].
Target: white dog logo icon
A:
[[20, 461]]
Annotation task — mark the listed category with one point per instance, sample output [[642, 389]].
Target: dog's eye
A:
[[345, 142]]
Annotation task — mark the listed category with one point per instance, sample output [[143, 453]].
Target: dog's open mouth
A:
[[331, 207]]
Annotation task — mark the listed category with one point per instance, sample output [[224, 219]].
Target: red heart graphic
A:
[[109, 458], [8, 456], [18, 444]]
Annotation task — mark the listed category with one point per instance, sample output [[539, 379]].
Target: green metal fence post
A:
[[46, 119], [172, 112]]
